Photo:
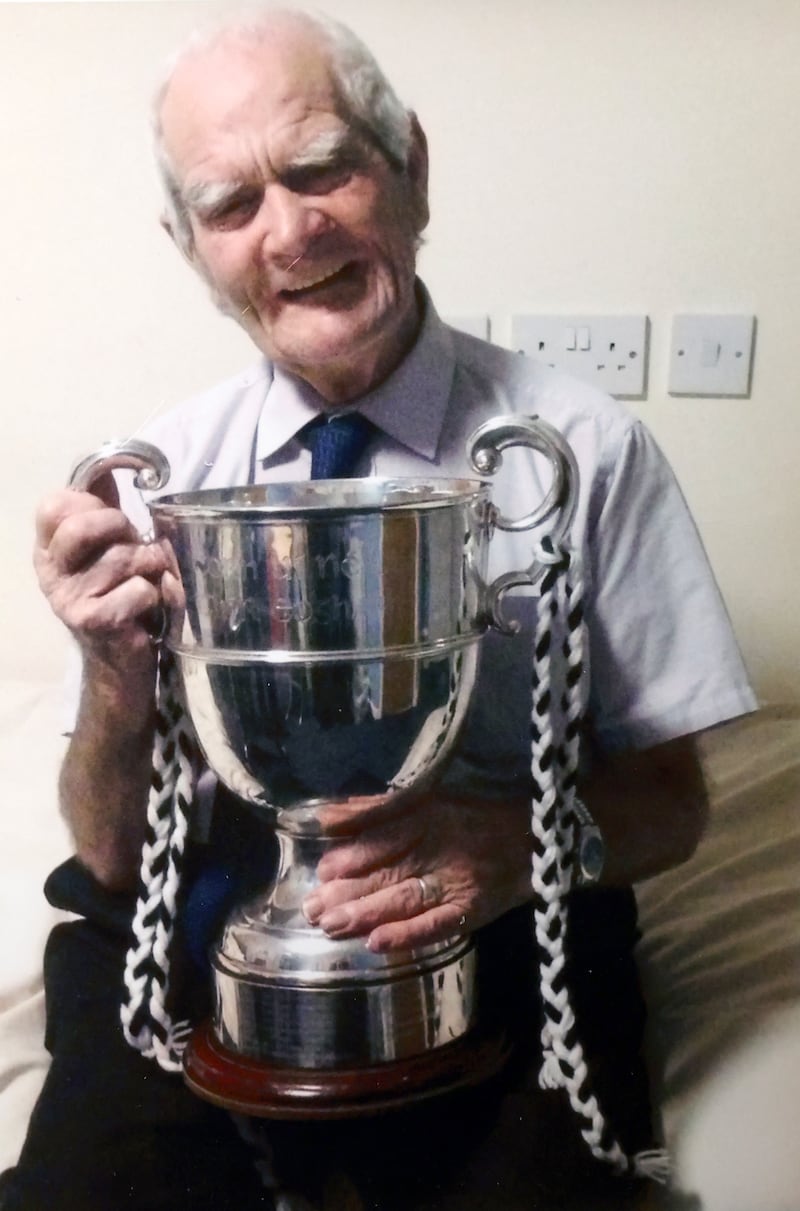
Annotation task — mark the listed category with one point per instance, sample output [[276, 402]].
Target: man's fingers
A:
[[436, 925], [112, 590], [120, 607], [170, 558], [393, 917], [386, 845], [81, 537], [353, 906], [78, 600], [57, 506], [440, 868], [101, 580], [172, 592]]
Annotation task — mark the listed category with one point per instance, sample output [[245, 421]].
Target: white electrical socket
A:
[[609, 351], [711, 355]]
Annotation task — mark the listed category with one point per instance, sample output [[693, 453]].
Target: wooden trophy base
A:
[[274, 1091]]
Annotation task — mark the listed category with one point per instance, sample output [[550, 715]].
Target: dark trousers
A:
[[111, 1130]]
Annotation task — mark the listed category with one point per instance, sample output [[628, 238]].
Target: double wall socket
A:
[[609, 351]]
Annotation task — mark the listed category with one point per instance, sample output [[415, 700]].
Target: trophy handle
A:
[[152, 473], [150, 465], [485, 451]]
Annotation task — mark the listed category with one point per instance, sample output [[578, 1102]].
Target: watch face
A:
[[591, 855]]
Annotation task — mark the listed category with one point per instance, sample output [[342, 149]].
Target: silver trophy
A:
[[328, 651]]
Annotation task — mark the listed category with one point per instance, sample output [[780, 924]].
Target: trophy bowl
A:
[[328, 651]]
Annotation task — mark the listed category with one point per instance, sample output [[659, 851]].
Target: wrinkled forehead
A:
[[245, 87]]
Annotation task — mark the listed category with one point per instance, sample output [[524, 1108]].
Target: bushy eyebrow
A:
[[205, 197], [325, 149], [329, 148]]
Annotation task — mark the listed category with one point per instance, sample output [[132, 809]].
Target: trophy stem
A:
[[299, 855]]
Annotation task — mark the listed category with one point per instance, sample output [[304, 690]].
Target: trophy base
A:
[[253, 1087]]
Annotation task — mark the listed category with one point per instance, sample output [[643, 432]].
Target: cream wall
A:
[[591, 155]]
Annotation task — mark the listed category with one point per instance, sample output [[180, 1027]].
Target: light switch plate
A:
[[609, 351], [711, 355]]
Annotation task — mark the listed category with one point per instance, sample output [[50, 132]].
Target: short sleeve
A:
[[663, 656]]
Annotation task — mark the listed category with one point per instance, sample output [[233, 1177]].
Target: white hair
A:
[[368, 97]]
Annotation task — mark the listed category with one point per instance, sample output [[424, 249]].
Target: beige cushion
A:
[[720, 952], [738, 1148]]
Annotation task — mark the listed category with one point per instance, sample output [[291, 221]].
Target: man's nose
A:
[[291, 222]]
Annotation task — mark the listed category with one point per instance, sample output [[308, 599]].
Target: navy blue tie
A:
[[337, 444]]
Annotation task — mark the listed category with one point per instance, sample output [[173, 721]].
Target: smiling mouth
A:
[[319, 284]]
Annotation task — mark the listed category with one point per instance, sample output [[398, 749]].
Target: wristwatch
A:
[[590, 848]]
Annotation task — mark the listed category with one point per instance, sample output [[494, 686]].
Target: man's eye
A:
[[318, 178], [233, 212]]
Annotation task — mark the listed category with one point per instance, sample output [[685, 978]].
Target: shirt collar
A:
[[409, 406]]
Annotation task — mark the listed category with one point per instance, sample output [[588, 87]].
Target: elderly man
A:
[[297, 188]]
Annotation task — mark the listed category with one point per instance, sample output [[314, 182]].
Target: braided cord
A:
[[547, 874], [146, 1020], [554, 769]]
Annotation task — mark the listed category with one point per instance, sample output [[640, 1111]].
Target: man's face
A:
[[303, 230]]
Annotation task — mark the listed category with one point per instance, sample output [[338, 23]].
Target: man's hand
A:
[[434, 868], [474, 856], [105, 583], [100, 579]]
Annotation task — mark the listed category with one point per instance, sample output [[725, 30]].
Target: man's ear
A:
[[417, 169], [186, 249]]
